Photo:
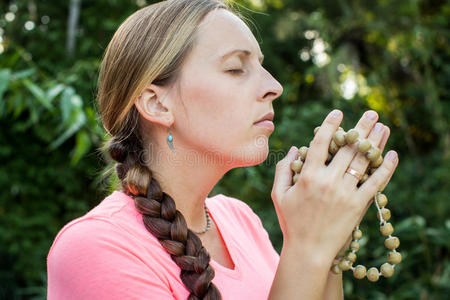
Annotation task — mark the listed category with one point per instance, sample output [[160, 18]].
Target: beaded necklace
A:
[[208, 222]]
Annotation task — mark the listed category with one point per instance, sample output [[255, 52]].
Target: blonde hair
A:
[[149, 47]]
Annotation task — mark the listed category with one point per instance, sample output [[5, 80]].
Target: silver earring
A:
[[170, 141]]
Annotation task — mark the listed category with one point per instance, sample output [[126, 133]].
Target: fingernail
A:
[[371, 115], [391, 155], [335, 113]]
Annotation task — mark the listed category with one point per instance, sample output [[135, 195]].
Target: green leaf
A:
[[38, 93], [23, 74], [66, 103], [79, 120], [83, 144], [5, 76], [55, 91]]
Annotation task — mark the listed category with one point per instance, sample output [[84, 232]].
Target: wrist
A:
[[315, 257]]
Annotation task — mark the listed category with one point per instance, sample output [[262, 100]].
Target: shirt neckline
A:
[[236, 272]]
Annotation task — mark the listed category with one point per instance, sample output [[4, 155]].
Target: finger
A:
[[344, 156], [360, 161], [389, 177], [318, 148], [283, 174], [379, 178], [383, 142]]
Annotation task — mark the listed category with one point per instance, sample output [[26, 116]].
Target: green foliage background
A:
[[386, 55]]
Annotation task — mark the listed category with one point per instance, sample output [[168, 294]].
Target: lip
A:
[[265, 124], [269, 117]]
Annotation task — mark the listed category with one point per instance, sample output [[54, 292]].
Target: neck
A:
[[188, 178]]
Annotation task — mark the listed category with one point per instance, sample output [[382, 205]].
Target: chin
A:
[[254, 154]]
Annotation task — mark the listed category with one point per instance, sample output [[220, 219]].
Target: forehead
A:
[[222, 31]]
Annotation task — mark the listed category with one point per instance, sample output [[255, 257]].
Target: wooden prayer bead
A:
[[373, 153], [295, 178], [394, 257], [386, 229], [336, 270], [351, 136], [339, 138], [333, 148], [376, 163], [373, 274], [345, 265], [354, 246], [296, 165], [359, 272], [364, 146], [392, 243], [382, 200], [316, 129], [302, 151], [387, 270], [357, 234], [364, 178], [385, 213], [351, 256]]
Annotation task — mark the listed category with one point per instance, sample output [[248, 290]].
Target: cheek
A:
[[214, 106]]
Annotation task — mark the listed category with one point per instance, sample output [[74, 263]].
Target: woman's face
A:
[[224, 90]]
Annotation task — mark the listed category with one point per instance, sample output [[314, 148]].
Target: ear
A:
[[150, 106]]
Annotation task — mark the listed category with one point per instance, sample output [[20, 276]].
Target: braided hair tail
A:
[[162, 219]]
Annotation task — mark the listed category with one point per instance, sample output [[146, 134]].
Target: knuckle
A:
[[388, 165], [323, 188], [305, 180], [335, 176], [378, 180], [318, 139], [360, 160], [326, 187], [366, 125]]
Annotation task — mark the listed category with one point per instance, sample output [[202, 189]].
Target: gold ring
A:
[[354, 173]]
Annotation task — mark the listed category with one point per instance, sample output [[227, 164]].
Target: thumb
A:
[[283, 174]]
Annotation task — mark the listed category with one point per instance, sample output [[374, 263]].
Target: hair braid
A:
[[162, 219]]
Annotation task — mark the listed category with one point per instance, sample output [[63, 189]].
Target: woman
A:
[[181, 91]]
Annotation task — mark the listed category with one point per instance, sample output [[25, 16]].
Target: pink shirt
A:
[[108, 254]]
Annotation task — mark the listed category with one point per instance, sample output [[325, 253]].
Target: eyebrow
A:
[[246, 52]]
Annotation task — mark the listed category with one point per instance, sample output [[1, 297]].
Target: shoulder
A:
[[82, 232], [111, 229], [97, 224], [97, 256]]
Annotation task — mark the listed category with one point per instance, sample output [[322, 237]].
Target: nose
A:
[[270, 87]]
